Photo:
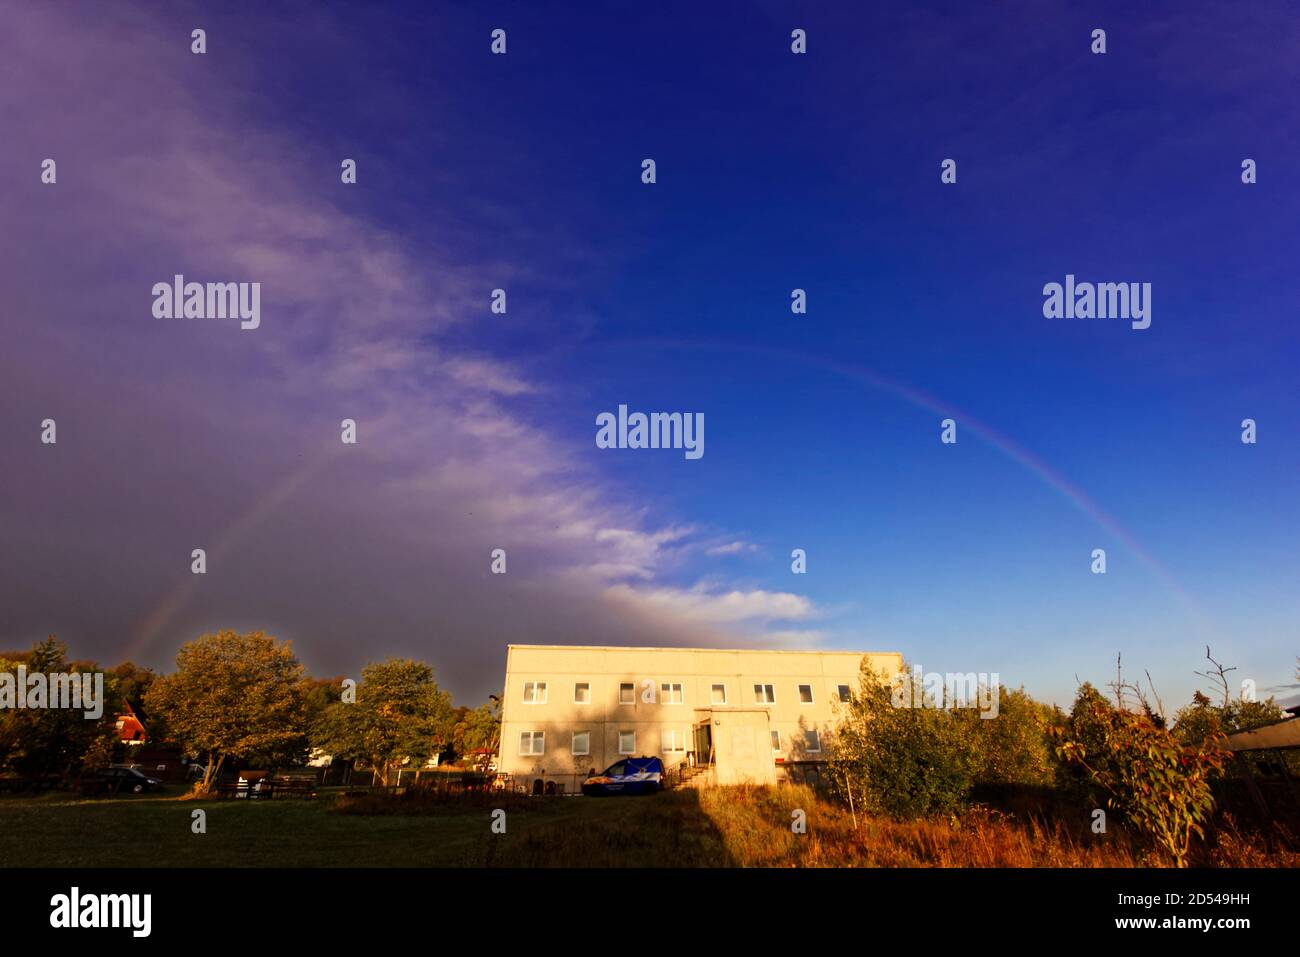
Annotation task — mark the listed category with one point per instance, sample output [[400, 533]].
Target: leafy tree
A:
[[1083, 725], [479, 727], [40, 741], [1198, 720], [1014, 747], [902, 761], [399, 714], [133, 682], [1202, 718], [233, 696], [317, 695]]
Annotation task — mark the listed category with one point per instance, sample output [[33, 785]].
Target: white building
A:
[[739, 715]]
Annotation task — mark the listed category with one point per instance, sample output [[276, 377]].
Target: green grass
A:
[[149, 831]]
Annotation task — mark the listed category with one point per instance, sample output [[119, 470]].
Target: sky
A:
[[774, 171]]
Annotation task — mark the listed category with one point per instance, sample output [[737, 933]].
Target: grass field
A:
[[717, 828]]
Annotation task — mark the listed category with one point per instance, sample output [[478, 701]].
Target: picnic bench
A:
[[267, 787]]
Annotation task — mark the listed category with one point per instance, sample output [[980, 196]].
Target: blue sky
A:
[[775, 171]]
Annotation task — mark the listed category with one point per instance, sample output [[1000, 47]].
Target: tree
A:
[[902, 761], [133, 682], [399, 714], [479, 728], [232, 696], [1202, 718], [39, 741], [318, 695], [1014, 747], [1083, 725]]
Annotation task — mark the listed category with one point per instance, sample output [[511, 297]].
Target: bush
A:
[[1158, 785], [910, 762], [904, 762], [1083, 725], [1202, 719], [1015, 747]]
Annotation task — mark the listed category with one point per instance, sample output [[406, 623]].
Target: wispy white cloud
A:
[[487, 375], [731, 548], [389, 539], [702, 605]]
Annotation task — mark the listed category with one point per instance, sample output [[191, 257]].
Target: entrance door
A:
[[704, 742]]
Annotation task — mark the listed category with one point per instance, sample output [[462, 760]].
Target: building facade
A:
[[730, 716]]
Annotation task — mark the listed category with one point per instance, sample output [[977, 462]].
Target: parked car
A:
[[118, 778], [629, 776]]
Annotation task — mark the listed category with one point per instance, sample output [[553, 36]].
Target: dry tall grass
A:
[[751, 827], [756, 825]]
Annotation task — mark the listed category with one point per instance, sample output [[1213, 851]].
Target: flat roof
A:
[[1279, 734], [748, 651]]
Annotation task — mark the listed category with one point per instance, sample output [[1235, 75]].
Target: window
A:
[[582, 693], [674, 740], [581, 742], [534, 692], [844, 693], [718, 694], [811, 741], [805, 694], [764, 694], [626, 693], [532, 742], [776, 740], [627, 742], [671, 693]]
